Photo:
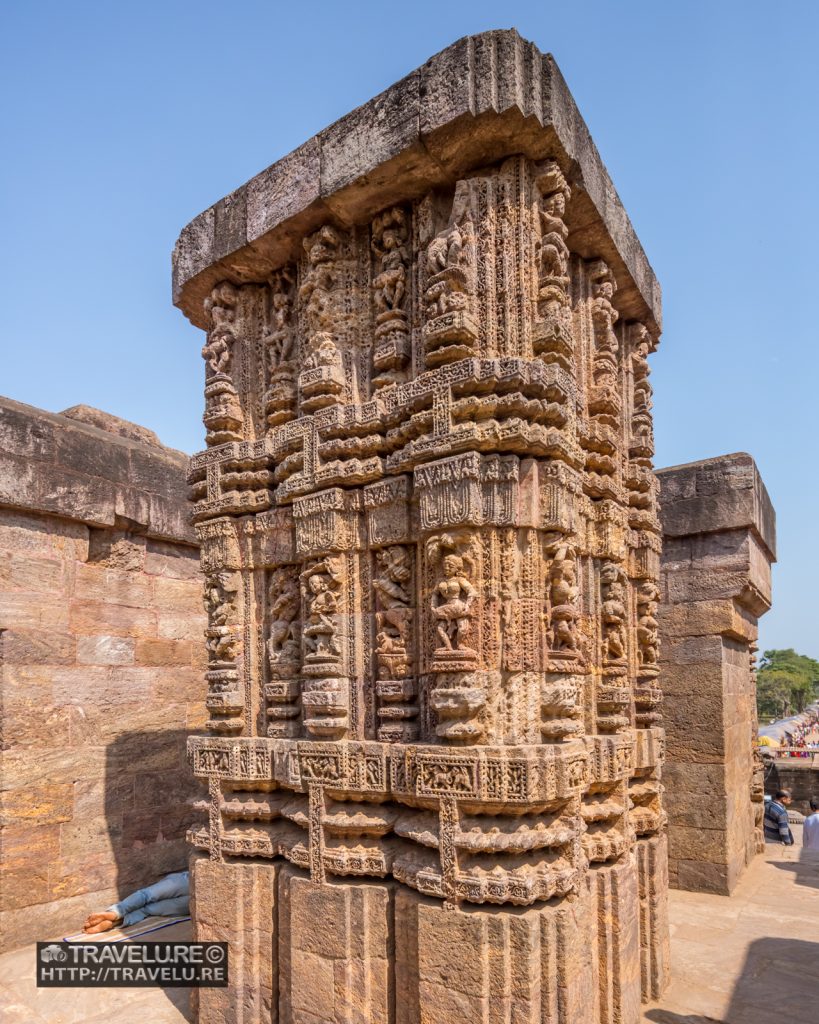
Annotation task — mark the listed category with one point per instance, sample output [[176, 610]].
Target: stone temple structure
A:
[[719, 540], [430, 542]]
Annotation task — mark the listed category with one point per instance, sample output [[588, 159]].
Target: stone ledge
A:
[[485, 97], [724, 493], [58, 465]]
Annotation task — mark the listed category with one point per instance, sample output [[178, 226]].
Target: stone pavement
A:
[[21, 1002], [750, 958]]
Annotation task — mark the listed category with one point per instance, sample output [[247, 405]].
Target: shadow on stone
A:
[[148, 789], [148, 794], [778, 982], [805, 870]]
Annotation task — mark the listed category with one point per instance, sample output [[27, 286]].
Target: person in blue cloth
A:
[[169, 897]]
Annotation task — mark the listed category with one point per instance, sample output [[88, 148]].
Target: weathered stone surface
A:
[[96, 704], [719, 542], [65, 467], [111, 424], [717, 495], [430, 543], [479, 100]]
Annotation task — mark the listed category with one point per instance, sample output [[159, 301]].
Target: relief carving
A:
[[280, 349], [562, 613], [283, 652], [642, 431], [392, 584], [605, 401], [431, 668], [393, 588], [222, 641], [454, 595], [613, 584], [552, 336], [390, 233], [322, 382], [648, 597], [321, 582], [223, 416], [450, 330]]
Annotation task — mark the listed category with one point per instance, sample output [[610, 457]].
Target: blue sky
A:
[[123, 121]]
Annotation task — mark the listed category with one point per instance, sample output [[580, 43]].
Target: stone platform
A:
[[732, 957], [749, 958]]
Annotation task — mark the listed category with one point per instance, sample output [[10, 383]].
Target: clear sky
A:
[[123, 121]]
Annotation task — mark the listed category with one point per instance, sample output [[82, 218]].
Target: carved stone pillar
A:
[[431, 542], [719, 543]]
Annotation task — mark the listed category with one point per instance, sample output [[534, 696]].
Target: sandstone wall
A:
[[719, 540], [101, 642]]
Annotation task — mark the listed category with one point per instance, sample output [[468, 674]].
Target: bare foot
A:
[[101, 922]]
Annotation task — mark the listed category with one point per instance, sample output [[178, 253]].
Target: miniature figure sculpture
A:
[[429, 530]]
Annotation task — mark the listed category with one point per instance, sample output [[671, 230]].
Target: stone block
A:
[[91, 617], [178, 596], [483, 96], [113, 549], [519, 967], [695, 793], [38, 575], [162, 653], [172, 561], [174, 626], [24, 531], [719, 494], [75, 876], [236, 903], [91, 470], [25, 611], [101, 688], [46, 804], [705, 844], [105, 650], [339, 951], [38, 647], [31, 723], [23, 767], [109, 794], [702, 876], [53, 920], [701, 618], [93, 582]]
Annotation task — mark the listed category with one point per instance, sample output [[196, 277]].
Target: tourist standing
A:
[[810, 830]]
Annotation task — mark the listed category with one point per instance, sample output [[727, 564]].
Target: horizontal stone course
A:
[[715, 496], [54, 464]]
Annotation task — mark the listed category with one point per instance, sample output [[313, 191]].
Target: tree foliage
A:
[[786, 683]]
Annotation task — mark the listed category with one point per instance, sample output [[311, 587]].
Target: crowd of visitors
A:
[[803, 741]]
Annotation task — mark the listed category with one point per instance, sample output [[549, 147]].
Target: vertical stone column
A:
[[719, 540], [430, 539]]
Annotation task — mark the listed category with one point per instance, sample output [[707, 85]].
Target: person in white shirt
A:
[[810, 827]]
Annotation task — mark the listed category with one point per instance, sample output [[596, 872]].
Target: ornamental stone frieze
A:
[[430, 544]]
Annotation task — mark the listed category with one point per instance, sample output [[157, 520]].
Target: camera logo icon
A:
[[53, 953]]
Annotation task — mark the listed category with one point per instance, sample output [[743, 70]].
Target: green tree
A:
[[786, 683]]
